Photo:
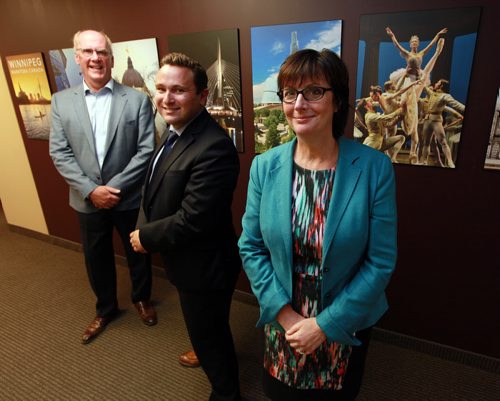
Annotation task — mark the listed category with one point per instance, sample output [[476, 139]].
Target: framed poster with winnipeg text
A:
[[29, 80]]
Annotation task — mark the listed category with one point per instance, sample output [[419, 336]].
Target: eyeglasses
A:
[[90, 52], [311, 93]]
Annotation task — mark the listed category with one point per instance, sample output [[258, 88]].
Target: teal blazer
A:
[[359, 246]]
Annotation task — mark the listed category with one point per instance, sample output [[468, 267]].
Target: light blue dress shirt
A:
[[99, 107]]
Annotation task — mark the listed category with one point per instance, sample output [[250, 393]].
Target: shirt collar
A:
[[181, 130], [110, 85]]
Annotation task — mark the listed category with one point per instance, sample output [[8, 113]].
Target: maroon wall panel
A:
[[447, 284]]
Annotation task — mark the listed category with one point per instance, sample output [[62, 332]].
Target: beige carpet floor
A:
[[46, 304]]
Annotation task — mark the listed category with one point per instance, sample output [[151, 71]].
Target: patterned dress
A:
[[326, 367]]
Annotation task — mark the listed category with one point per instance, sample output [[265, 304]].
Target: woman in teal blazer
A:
[[357, 237]]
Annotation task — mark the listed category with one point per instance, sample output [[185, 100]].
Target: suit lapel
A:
[[346, 178], [180, 146], [146, 193], [80, 105], [118, 102], [281, 183], [184, 141], [160, 145]]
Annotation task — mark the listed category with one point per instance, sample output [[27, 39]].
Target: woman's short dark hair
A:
[[310, 64], [181, 60]]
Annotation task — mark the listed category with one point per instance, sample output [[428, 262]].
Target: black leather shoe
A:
[[146, 312]]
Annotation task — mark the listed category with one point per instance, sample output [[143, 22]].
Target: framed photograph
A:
[[492, 160], [412, 83], [66, 71], [270, 47], [218, 52], [135, 65], [31, 86]]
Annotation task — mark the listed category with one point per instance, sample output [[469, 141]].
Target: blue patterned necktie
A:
[[170, 143], [167, 147]]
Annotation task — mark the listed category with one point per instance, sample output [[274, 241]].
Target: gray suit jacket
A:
[[129, 146]]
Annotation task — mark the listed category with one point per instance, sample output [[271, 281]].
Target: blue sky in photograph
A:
[[271, 45]]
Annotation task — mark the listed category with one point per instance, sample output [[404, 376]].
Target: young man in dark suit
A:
[[186, 217]]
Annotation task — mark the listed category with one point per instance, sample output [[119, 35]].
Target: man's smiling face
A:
[[96, 70]]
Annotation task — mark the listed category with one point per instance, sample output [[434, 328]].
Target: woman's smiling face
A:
[[310, 117]]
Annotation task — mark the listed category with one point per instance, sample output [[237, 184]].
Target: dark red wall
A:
[[447, 284]]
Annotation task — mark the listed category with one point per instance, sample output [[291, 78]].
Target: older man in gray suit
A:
[[101, 140]]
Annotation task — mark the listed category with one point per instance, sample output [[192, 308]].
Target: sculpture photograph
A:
[[412, 83]]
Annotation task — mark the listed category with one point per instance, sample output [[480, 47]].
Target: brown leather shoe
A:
[[146, 312], [189, 360], [95, 328]]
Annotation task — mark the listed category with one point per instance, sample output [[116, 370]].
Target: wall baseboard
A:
[[386, 336], [71, 245], [438, 350], [64, 243]]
